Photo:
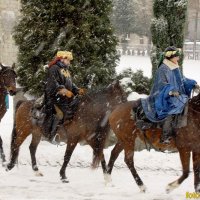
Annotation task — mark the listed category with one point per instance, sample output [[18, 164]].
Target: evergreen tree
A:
[[167, 27], [80, 26], [123, 17], [135, 81]]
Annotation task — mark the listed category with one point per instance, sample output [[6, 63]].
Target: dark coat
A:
[[58, 76]]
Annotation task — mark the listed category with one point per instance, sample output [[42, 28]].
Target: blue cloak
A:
[[159, 104]]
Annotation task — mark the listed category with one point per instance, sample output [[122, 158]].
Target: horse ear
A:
[[116, 82], [13, 66]]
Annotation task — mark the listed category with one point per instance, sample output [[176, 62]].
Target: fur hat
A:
[[64, 54], [171, 52]]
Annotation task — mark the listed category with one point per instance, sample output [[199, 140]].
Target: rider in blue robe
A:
[[169, 94]]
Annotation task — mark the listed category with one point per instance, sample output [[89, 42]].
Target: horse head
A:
[[8, 79], [116, 90]]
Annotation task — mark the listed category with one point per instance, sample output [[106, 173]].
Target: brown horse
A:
[[90, 124], [7, 86], [186, 141]]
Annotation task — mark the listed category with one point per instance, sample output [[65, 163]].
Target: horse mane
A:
[[4, 68], [194, 102], [111, 88]]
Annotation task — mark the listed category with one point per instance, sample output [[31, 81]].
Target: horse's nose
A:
[[12, 92]]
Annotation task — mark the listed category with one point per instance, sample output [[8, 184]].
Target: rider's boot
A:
[[167, 131], [55, 138]]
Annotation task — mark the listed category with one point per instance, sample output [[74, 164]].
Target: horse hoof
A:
[[171, 187], [197, 188], [4, 164], [64, 180], [107, 178], [38, 173], [143, 189], [8, 167]]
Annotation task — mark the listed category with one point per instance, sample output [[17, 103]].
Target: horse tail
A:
[[100, 136], [14, 132]]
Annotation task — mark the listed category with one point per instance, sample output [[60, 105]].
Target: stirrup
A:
[[165, 140], [141, 124]]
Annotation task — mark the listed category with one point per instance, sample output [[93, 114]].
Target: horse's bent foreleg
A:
[[196, 168], [129, 153], [185, 161], [36, 137], [3, 158], [71, 144]]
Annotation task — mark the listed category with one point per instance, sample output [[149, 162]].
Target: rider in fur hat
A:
[[59, 92], [169, 94]]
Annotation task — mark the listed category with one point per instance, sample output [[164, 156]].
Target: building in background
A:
[[135, 44], [9, 12]]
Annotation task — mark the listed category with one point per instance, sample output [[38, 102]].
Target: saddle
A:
[[140, 118], [143, 123], [40, 109]]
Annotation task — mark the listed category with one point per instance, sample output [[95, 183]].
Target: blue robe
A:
[[159, 104]]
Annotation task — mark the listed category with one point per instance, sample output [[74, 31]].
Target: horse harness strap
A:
[[151, 144]]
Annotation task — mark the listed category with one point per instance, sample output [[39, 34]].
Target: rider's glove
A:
[[81, 91], [65, 92], [197, 88], [174, 93]]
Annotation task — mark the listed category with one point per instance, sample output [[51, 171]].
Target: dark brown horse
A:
[[7, 86], [187, 141], [90, 124]]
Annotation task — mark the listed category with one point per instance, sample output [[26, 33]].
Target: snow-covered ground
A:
[[155, 168]]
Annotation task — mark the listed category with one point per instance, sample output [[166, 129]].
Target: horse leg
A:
[[96, 152], [185, 161], [129, 154], [71, 145], [196, 168], [103, 164], [16, 141], [114, 155], [33, 147], [1, 151]]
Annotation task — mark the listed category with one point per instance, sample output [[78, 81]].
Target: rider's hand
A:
[[62, 91], [81, 91], [69, 94], [174, 93], [65, 92], [197, 88]]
